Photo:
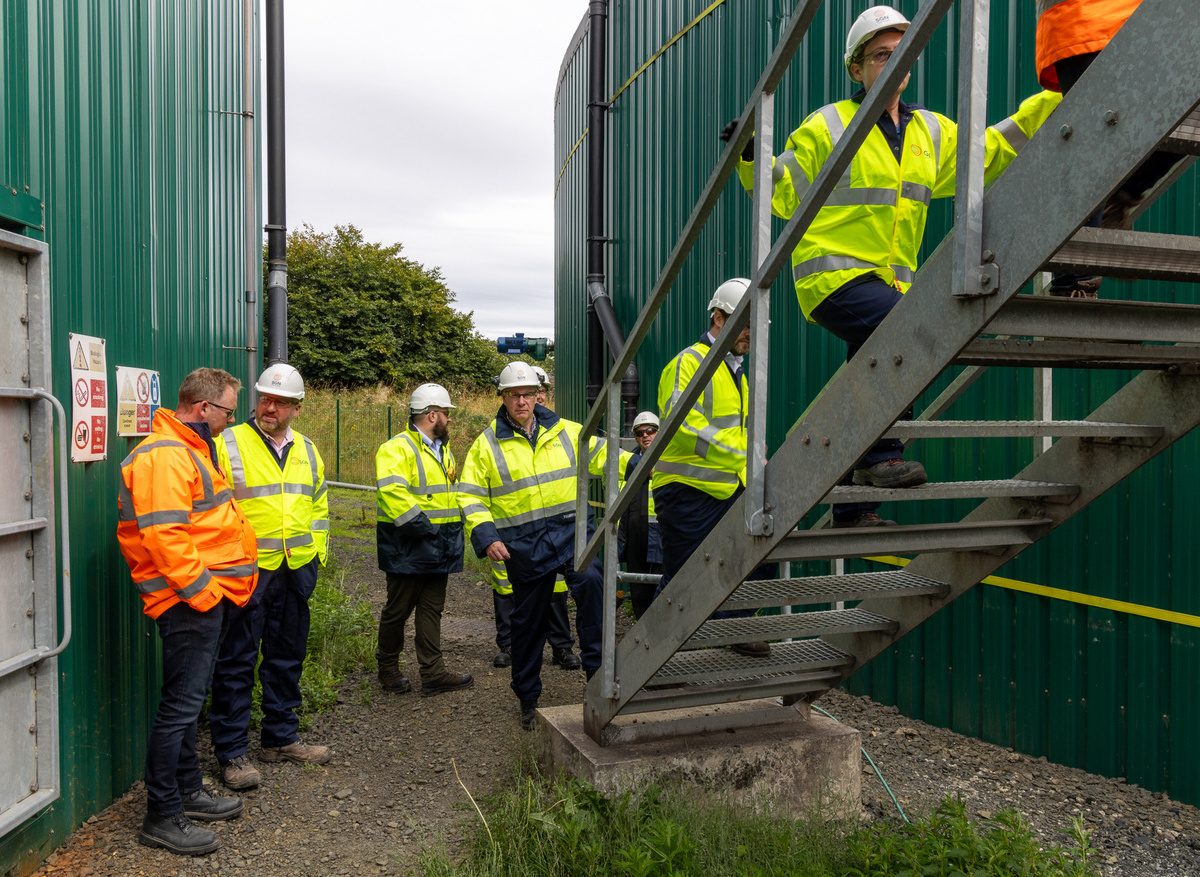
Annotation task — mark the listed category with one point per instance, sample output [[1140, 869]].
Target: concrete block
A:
[[799, 764]]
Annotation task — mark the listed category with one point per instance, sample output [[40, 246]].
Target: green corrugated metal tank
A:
[[123, 151], [1109, 691]]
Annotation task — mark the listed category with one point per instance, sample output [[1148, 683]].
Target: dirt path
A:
[[393, 787]]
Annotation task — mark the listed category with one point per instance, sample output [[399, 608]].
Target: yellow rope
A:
[[630, 80]]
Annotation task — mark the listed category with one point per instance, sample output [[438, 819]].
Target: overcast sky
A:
[[431, 124]]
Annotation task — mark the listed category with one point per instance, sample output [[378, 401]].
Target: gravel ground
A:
[[396, 783]]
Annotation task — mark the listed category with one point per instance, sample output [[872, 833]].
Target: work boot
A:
[[239, 773], [297, 752], [394, 681], [502, 659], [528, 714], [892, 473], [1084, 287], [177, 834], [567, 659], [447, 682], [203, 806], [868, 519], [752, 650], [1117, 210]]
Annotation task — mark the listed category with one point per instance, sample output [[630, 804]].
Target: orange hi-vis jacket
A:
[[181, 532], [1067, 28]]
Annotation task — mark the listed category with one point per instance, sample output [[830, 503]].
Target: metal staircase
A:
[[962, 310]]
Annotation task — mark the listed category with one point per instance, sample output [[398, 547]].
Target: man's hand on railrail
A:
[[727, 134]]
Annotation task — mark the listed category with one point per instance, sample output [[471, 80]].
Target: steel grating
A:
[[1026, 353], [1045, 316], [1133, 255], [917, 429], [727, 631], [952, 490], [684, 695], [1186, 138], [832, 589], [909, 539], [723, 665]]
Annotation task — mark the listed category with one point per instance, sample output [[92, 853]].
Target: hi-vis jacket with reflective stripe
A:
[[501, 585], [288, 504], [709, 450], [524, 496], [419, 526], [874, 220], [184, 537]]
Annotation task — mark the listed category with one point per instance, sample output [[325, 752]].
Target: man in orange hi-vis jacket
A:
[[192, 554]]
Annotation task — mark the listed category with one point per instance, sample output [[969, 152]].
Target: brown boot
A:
[[297, 751], [752, 650], [447, 682]]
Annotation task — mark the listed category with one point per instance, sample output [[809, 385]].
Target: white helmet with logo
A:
[[729, 294], [645, 418], [426, 396], [875, 20], [280, 379], [518, 374], [541, 375]]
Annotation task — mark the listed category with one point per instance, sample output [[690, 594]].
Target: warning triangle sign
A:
[[127, 391], [81, 360]]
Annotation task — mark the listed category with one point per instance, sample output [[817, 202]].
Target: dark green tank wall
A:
[[1109, 691], [121, 136]]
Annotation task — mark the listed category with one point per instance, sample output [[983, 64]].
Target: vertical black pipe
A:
[[602, 320], [277, 341]]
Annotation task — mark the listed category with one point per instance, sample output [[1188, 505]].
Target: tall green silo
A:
[[1056, 672]]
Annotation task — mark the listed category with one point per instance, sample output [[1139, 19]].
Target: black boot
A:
[[528, 714], [203, 806], [177, 834]]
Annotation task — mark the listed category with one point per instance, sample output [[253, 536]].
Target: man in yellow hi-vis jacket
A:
[[860, 253], [278, 479], [419, 537]]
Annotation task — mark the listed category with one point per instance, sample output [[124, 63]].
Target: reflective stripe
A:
[[236, 572], [153, 446], [569, 448], [322, 524], [149, 586], [497, 455], [534, 515], [422, 482], [299, 541], [935, 133], [701, 473], [318, 483], [709, 435], [321, 491], [533, 481], [153, 519], [206, 480], [474, 508], [866, 195], [916, 192], [1011, 131], [266, 490], [211, 502], [125, 507], [191, 590], [409, 515], [829, 263], [473, 489], [903, 273], [800, 181], [237, 470], [392, 479], [269, 544], [833, 121]]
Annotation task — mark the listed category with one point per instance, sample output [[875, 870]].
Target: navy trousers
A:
[[852, 313], [190, 642], [277, 620], [532, 599], [558, 634], [685, 517]]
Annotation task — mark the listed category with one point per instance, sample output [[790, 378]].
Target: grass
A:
[[341, 639], [565, 827]]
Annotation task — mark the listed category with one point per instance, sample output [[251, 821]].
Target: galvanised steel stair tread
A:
[[1062, 353], [826, 544], [1047, 316], [796, 625], [1113, 252], [1186, 138], [684, 695], [815, 590], [725, 665], [951, 490], [919, 429]]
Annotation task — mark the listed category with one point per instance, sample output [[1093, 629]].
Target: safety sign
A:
[[137, 400], [89, 398]]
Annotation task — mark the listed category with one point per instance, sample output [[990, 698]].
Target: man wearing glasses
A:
[[278, 479], [860, 253], [192, 555]]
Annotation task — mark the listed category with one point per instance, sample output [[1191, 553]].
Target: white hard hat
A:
[[541, 375], [644, 418], [875, 20], [428, 395], [728, 294], [518, 374], [280, 379]]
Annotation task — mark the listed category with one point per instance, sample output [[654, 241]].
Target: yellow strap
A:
[[1073, 597], [630, 80]]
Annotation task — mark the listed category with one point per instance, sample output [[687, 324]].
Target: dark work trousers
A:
[[558, 635], [531, 623], [685, 517], [1149, 172], [276, 620], [852, 313], [425, 593], [190, 642]]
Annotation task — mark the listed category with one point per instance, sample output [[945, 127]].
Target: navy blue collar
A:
[[203, 430]]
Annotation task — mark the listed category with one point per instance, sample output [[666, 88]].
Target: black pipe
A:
[[602, 319], [277, 337]]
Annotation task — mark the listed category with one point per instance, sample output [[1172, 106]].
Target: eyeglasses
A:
[[228, 411], [278, 403], [879, 58], [509, 394], [649, 430]]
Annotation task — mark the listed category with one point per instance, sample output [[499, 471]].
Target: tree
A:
[[360, 313]]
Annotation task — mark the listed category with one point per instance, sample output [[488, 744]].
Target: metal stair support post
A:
[[972, 273], [758, 516], [1068, 177]]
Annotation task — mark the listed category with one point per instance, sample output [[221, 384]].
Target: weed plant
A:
[[340, 640]]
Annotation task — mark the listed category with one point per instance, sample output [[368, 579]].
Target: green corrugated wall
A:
[[119, 119], [1107, 691]]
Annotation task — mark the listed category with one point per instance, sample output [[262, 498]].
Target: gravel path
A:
[[393, 787]]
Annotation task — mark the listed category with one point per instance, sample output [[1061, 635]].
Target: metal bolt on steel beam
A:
[[898, 359], [1066, 131], [872, 362], [1110, 117]]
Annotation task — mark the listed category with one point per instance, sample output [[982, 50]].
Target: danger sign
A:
[[138, 400], [89, 398]]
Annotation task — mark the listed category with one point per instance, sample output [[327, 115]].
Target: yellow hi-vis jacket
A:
[[522, 492], [419, 524], [708, 452], [502, 586], [874, 220], [287, 501]]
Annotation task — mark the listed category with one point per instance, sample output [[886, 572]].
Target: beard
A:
[[441, 431]]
